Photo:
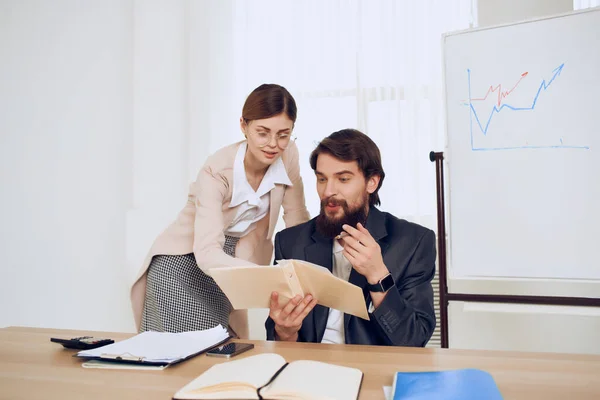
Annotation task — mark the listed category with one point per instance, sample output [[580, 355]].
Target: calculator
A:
[[83, 342]]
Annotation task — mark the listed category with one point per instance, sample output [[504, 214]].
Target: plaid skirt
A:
[[180, 297]]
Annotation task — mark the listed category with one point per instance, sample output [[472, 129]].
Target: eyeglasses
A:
[[264, 138]]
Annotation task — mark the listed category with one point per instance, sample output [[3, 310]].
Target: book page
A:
[[237, 379], [251, 286], [304, 379], [331, 291]]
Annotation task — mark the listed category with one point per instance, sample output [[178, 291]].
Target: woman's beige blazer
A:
[[200, 226]]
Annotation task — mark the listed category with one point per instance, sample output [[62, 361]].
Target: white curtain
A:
[[581, 4], [371, 65]]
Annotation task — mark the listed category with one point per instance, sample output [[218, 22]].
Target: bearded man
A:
[[391, 259]]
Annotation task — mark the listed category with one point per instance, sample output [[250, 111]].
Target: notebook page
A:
[[162, 346], [316, 380], [254, 371]]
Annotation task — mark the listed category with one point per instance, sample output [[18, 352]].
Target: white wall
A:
[[494, 12], [523, 327], [65, 151], [99, 100], [98, 104], [160, 158]]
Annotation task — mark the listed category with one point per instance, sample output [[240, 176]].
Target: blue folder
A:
[[461, 384]]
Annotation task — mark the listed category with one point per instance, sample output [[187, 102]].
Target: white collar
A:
[[242, 191]]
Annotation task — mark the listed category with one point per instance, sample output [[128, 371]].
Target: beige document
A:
[[300, 379], [251, 286]]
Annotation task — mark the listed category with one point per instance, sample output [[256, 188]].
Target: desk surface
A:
[[31, 367]]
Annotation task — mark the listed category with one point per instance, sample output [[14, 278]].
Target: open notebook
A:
[[251, 286], [302, 379]]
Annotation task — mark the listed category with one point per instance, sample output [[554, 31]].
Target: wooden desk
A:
[[31, 367]]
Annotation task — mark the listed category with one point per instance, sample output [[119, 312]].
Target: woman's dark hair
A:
[[269, 100], [353, 145]]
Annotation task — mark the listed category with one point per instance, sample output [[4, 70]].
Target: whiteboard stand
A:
[[446, 297], [438, 158]]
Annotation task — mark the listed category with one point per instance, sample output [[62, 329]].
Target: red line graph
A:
[[498, 88]]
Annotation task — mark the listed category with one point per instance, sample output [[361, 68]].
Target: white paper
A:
[[387, 393], [160, 346], [116, 365]]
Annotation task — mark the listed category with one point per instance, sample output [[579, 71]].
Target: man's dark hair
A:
[[353, 145]]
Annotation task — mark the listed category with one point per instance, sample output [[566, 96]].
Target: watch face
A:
[[387, 283]]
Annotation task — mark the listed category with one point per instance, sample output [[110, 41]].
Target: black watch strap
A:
[[384, 284]]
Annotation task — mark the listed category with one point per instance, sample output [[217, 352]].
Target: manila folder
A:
[[251, 286]]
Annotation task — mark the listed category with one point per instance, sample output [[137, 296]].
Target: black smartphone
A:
[[83, 342], [229, 350]]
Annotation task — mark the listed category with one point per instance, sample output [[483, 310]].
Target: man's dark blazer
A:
[[406, 316]]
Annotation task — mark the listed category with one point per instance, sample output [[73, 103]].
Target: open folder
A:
[[158, 348], [251, 286]]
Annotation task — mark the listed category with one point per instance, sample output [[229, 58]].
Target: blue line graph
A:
[[474, 116]]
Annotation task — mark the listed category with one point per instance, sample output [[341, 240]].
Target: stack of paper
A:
[[159, 348]]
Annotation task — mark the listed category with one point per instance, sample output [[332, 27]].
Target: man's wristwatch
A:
[[384, 284]]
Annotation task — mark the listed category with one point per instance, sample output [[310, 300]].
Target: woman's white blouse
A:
[[253, 206]]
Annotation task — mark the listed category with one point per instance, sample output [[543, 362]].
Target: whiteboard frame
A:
[[502, 285]]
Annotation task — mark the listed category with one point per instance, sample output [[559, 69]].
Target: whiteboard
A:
[[523, 149]]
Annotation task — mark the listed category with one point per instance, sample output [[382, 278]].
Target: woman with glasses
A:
[[229, 219]]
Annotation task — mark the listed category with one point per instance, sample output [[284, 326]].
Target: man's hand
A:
[[288, 319], [364, 253]]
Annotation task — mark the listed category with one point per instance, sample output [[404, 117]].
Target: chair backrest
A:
[[436, 338]]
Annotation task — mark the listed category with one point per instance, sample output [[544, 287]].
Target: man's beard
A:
[[331, 227]]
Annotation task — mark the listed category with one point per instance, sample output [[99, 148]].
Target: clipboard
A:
[[158, 349], [127, 358]]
